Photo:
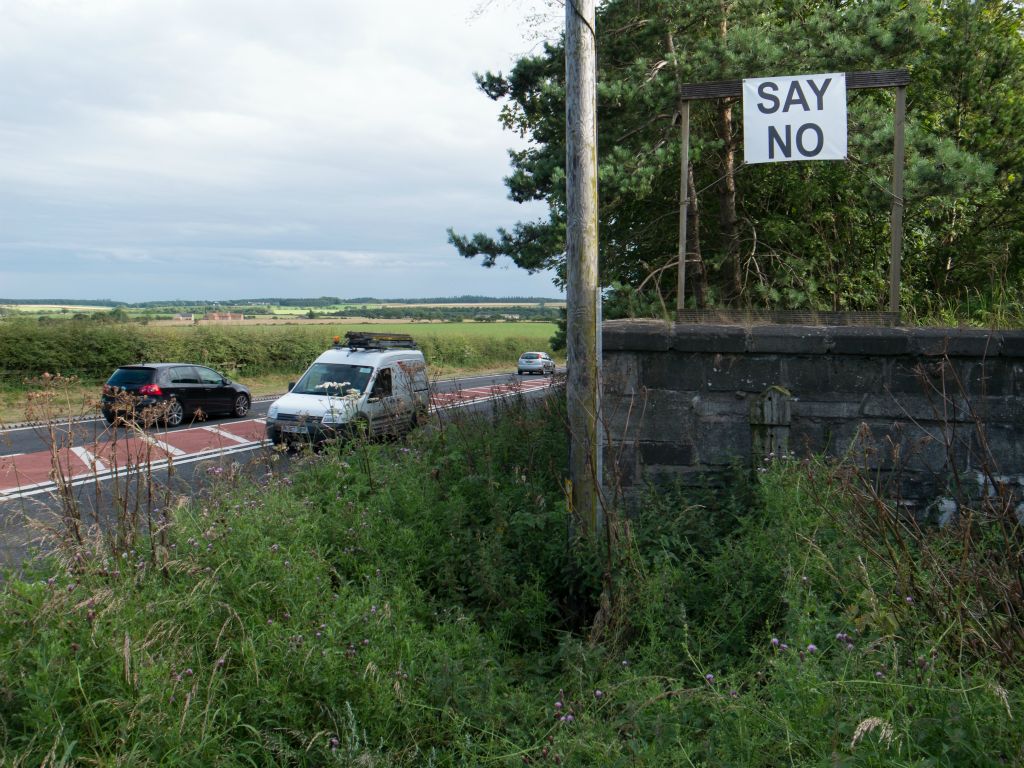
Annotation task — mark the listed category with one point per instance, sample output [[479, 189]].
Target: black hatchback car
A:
[[179, 388]]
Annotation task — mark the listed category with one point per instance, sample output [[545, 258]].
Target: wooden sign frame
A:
[[724, 89]]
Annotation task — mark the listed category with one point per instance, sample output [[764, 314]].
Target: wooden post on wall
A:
[[684, 198], [896, 218], [582, 287]]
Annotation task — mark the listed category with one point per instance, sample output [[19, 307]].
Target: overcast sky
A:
[[154, 149]]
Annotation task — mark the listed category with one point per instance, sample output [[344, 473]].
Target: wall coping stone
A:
[[727, 339], [646, 335], [643, 335], [788, 339]]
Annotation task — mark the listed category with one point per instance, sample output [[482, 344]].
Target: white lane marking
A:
[[165, 447], [38, 488], [90, 460], [227, 435]]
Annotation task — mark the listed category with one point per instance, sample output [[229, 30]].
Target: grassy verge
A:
[[419, 604]]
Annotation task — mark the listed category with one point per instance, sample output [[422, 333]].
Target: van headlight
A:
[[272, 413]]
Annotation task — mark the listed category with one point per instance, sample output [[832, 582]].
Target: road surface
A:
[[102, 470]]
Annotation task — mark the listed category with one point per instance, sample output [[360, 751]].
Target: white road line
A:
[[39, 488], [165, 447], [90, 460], [227, 435]]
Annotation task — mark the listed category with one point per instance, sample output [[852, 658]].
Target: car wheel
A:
[[519, 373], [241, 406], [175, 413]]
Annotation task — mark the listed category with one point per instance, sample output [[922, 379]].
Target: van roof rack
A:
[[364, 340]]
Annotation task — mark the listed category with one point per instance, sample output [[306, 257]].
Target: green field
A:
[[261, 356]]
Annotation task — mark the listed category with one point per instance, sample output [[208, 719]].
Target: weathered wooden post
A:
[[582, 288]]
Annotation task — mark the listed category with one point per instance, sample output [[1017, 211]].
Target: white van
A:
[[372, 383]]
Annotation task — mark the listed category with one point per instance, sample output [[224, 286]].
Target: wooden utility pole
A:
[[583, 291]]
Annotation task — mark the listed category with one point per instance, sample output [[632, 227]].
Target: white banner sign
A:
[[794, 118]]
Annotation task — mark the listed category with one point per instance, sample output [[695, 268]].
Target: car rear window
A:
[[530, 356], [131, 377]]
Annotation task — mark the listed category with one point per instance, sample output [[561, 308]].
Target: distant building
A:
[[184, 317], [224, 316]]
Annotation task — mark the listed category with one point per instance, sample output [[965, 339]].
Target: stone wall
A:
[[917, 406]]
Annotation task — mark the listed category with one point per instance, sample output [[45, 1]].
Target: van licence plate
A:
[[293, 428]]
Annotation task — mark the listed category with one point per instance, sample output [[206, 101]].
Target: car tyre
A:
[[241, 406], [175, 413]]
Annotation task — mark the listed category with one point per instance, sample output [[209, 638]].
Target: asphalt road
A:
[[103, 472]]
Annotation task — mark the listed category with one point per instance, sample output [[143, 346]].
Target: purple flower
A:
[[775, 642], [709, 677], [783, 647], [849, 646], [569, 718], [220, 662], [812, 648], [335, 743], [909, 600], [558, 705], [598, 693], [625, 662], [879, 674]]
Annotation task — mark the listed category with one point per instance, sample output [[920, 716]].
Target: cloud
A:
[[275, 129]]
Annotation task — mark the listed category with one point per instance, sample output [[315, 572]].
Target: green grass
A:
[[417, 604]]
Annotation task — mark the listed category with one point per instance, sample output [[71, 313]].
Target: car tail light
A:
[[150, 389]]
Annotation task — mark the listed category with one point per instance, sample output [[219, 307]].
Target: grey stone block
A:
[[787, 340], [722, 442], [673, 371], [666, 454], [751, 373], [1012, 344], [722, 339], [621, 373], [864, 341], [636, 335], [621, 466], [954, 342]]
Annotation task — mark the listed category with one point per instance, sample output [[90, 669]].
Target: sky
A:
[[218, 149]]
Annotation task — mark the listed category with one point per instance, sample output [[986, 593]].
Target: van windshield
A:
[[333, 379]]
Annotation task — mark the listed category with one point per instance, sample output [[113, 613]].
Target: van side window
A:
[[382, 387]]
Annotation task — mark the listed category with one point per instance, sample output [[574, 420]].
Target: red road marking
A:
[[32, 469]]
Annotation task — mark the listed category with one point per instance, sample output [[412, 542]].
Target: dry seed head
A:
[[885, 731]]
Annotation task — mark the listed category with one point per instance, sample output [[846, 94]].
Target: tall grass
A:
[[419, 603]]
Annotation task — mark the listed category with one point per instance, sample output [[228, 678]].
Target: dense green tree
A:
[[782, 235]]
